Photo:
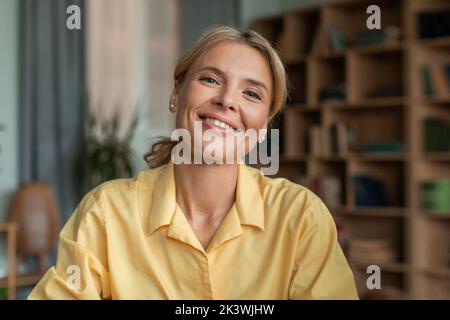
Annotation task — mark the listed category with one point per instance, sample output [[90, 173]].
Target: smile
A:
[[216, 123]]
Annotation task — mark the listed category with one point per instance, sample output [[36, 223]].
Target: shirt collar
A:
[[249, 202]]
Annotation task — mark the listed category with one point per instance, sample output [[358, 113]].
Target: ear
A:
[[174, 97]]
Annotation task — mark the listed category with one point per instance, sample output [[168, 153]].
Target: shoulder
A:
[[286, 199], [282, 191], [119, 196], [116, 189]]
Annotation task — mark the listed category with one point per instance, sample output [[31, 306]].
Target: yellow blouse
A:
[[128, 239]]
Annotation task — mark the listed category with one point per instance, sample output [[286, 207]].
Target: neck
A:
[[205, 192]]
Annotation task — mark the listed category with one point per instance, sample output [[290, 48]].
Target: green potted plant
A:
[[108, 153]]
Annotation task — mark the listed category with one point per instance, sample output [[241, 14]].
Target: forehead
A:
[[236, 59]]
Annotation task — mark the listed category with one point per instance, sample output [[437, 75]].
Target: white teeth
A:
[[218, 123]]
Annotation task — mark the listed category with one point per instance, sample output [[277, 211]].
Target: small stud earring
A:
[[172, 107]]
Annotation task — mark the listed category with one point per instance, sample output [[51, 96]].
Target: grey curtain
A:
[[198, 15], [52, 94]]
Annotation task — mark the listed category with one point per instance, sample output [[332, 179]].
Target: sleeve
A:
[[81, 270], [320, 269]]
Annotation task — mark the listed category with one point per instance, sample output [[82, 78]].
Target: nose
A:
[[227, 98]]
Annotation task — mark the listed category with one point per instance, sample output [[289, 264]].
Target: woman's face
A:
[[226, 92]]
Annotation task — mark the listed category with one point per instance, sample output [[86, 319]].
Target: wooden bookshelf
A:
[[375, 94]]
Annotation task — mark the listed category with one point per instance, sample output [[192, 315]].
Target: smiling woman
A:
[[206, 230]]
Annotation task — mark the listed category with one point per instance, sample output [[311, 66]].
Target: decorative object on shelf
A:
[[434, 24], [35, 212], [108, 154], [369, 191], [436, 196]]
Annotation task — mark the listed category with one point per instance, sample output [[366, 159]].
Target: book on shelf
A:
[[436, 80], [318, 141], [329, 188], [338, 41], [340, 138], [334, 139], [435, 195], [369, 191], [441, 80], [315, 138], [437, 135]]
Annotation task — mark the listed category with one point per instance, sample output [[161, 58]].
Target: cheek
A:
[[255, 117], [194, 95]]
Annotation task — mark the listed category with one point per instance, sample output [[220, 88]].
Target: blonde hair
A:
[[160, 152]]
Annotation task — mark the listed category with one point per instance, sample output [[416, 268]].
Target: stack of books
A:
[[372, 250], [436, 195], [436, 80], [437, 135]]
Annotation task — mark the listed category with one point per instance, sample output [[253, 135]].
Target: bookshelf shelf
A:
[[442, 42], [357, 119], [441, 273], [394, 101], [437, 101], [297, 59], [293, 159], [437, 215], [437, 156], [376, 49], [386, 212], [329, 55], [303, 107], [371, 103], [380, 156]]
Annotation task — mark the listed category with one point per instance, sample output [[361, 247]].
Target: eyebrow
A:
[[222, 74]]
